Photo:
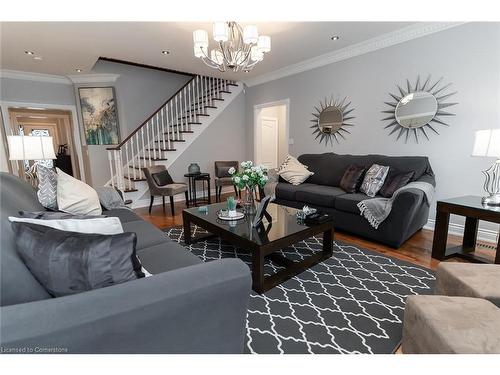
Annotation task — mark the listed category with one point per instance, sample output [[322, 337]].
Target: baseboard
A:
[[180, 197], [486, 235]]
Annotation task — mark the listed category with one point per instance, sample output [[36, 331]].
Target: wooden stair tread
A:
[[154, 159], [134, 179], [161, 149], [180, 131], [129, 191]]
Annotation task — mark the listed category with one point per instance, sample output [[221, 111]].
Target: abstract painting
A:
[[100, 118]]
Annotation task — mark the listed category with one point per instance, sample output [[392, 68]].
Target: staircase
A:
[[167, 133]]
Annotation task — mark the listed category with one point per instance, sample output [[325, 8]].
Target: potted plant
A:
[[248, 178]]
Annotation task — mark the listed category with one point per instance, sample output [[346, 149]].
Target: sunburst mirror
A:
[[418, 108], [331, 119]]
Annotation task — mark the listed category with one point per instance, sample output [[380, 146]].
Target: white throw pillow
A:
[[293, 171], [100, 225], [75, 196]]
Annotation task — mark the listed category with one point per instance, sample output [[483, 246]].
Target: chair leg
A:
[[163, 199], [236, 191], [172, 205], [151, 203], [187, 198]]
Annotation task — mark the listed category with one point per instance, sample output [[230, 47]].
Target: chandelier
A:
[[237, 48]]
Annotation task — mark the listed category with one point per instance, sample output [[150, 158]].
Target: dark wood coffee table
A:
[[473, 210], [264, 241]]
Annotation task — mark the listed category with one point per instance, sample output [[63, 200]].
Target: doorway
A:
[[271, 133], [55, 123]]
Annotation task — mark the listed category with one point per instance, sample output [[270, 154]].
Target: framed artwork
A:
[[99, 115]]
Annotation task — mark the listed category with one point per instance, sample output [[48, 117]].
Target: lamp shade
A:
[[200, 50], [221, 31], [250, 34], [256, 54], [487, 143], [264, 43], [30, 147]]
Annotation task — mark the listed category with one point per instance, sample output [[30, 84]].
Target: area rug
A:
[[351, 303]]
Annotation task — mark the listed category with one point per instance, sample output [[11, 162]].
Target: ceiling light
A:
[[237, 48], [335, 37], [78, 70], [165, 52], [38, 58], [29, 52]]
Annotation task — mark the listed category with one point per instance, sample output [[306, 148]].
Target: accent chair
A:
[[161, 184], [223, 178]]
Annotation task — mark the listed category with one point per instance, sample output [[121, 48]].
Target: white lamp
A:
[[30, 148], [221, 31], [487, 144], [250, 34]]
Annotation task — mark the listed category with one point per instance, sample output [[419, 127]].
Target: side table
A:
[[473, 210], [192, 179]]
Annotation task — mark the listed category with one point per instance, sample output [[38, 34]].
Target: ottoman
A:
[[469, 280], [450, 325]]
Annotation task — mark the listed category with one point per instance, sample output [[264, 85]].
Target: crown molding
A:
[[31, 76], [405, 34], [93, 78]]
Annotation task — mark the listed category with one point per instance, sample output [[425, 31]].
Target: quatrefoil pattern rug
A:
[[351, 303]]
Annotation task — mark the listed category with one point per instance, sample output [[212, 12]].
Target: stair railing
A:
[[157, 135]]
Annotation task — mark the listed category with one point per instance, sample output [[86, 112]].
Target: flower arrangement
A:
[[249, 176]]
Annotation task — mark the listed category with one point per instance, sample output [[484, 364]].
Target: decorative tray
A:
[[224, 216]]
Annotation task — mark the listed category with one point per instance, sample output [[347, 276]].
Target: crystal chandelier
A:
[[237, 48]]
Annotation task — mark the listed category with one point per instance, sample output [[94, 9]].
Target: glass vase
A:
[[249, 202]]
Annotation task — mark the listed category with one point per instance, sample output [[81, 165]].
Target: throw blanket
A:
[[270, 187], [376, 210]]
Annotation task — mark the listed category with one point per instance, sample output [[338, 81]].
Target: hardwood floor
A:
[[416, 250]]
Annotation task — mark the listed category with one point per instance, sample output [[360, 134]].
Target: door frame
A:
[[257, 109], [4, 106]]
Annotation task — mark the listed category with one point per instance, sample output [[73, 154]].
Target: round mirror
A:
[[330, 120], [416, 109]]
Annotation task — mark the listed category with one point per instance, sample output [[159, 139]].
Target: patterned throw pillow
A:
[[293, 171], [374, 179], [47, 187]]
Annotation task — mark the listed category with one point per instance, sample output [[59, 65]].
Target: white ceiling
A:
[[65, 46]]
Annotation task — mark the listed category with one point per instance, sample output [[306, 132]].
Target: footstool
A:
[[449, 325], [469, 280]]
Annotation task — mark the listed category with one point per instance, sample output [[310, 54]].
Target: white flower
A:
[[237, 180], [245, 177], [231, 170], [243, 164], [265, 178]]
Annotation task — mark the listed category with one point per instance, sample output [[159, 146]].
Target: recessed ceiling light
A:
[[335, 37], [165, 52], [38, 58], [78, 70], [246, 71], [29, 52]]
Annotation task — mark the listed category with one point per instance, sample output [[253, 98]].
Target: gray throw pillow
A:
[[162, 178], [56, 215], [374, 179], [47, 187], [352, 178], [109, 197], [66, 263]]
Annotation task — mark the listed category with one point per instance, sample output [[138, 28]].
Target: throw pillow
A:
[[75, 196], [352, 178], [47, 187], [55, 215], [395, 181], [374, 179], [162, 178], [293, 171], [66, 263], [109, 197], [105, 225]]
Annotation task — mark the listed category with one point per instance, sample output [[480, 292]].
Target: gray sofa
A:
[[321, 190], [187, 306]]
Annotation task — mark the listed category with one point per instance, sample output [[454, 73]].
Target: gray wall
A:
[[19, 90], [224, 139], [467, 55]]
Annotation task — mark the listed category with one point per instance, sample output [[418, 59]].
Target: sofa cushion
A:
[[124, 214], [318, 195], [17, 284], [349, 202], [147, 234], [166, 256], [287, 191]]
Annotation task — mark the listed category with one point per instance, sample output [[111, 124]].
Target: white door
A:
[[269, 142]]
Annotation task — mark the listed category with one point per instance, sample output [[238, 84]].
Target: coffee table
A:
[[264, 241]]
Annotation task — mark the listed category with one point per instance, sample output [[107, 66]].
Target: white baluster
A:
[[143, 156], [177, 116], [163, 127], [132, 142], [170, 125], [110, 159]]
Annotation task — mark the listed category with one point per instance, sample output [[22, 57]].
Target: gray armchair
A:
[[223, 178], [167, 187]]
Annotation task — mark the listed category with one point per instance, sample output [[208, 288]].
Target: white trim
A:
[[93, 78], [31, 76], [411, 32], [487, 235], [256, 117], [76, 124]]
